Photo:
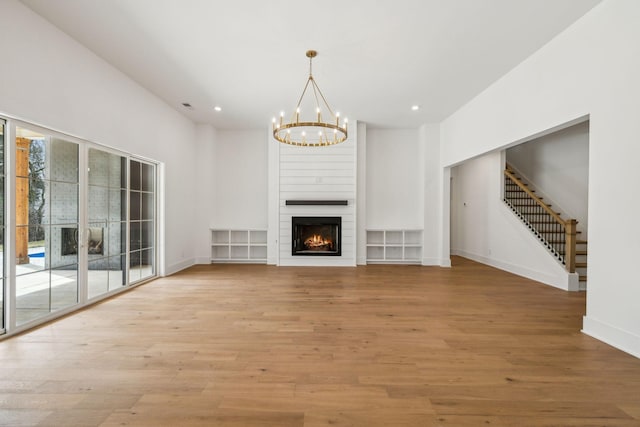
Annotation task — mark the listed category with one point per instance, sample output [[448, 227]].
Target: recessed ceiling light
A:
[[217, 108], [415, 107]]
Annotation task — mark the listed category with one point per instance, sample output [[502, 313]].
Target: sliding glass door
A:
[[82, 223]]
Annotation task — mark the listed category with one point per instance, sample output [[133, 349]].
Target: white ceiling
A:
[[376, 58]]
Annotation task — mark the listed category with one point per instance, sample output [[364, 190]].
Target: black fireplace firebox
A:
[[316, 235]]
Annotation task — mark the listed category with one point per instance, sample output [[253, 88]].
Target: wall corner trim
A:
[[612, 335]]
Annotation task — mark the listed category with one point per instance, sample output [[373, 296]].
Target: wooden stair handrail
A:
[[569, 225], [534, 197]]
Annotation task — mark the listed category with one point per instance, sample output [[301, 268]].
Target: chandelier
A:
[[314, 131]]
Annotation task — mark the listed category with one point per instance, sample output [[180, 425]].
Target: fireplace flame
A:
[[317, 241]]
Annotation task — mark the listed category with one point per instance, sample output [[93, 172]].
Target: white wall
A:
[[49, 79], [435, 248], [557, 167], [395, 184], [239, 173], [590, 69], [484, 229]]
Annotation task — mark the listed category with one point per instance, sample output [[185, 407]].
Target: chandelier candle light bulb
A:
[[296, 129]]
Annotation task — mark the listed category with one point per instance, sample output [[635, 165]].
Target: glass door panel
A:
[[46, 225], [64, 286], [142, 214], [106, 234]]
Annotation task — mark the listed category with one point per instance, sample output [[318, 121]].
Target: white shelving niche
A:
[[394, 246], [239, 246]]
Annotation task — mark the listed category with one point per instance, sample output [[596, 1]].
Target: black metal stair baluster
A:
[[559, 240], [552, 239], [555, 236]]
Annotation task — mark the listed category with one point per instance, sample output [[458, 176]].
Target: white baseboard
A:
[[555, 281], [174, 268], [616, 337], [431, 261]]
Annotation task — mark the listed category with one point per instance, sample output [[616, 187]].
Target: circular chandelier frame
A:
[[295, 131]]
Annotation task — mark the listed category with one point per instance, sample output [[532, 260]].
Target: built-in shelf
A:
[[239, 246], [394, 246]]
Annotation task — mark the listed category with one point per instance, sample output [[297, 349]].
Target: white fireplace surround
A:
[[312, 173]]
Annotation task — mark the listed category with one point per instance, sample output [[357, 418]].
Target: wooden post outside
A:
[[22, 200], [570, 245]]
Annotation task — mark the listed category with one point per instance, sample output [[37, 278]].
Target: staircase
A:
[[558, 235]]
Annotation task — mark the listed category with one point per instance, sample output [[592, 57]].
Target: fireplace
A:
[[316, 235], [69, 241]]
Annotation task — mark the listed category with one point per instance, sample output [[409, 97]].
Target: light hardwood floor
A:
[[239, 345]]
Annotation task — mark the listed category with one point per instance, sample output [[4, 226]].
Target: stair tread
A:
[[582, 278], [581, 252], [581, 265]]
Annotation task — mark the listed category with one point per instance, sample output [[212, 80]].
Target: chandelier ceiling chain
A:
[[311, 133]]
